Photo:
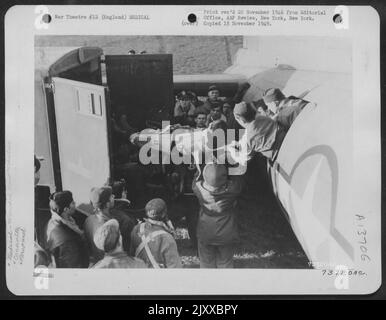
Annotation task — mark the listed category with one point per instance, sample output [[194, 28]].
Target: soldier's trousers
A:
[[213, 256]]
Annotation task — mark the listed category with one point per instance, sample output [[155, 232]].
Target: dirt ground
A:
[[266, 238]]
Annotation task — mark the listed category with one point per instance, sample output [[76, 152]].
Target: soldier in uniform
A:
[[263, 134], [153, 240], [285, 110], [108, 239], [64, 238], [212, 100], [217, 231], [103, 202], [200, 120], [184, 109]]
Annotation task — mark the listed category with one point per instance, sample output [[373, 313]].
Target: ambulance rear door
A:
[[80, 120]]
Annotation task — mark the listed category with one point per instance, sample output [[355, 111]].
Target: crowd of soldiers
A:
[[115, 237]]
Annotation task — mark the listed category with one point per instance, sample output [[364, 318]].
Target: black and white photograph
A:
[[201, 151]]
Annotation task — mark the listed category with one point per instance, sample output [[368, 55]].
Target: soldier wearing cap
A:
[[108, 239], [217, 231], [284, 110], [212, 100], [102, 200], [64, 238], [184, 109], [152, 241]]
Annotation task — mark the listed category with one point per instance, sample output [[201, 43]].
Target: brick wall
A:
[[191, 55]]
